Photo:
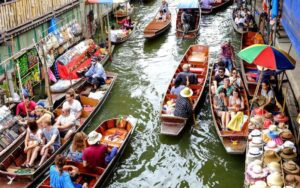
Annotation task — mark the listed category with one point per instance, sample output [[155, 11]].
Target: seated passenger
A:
[[221, 64], [126, 23], [229, 88], [32, 143], [186, 21], [239, 21], [77, 147], [66, 123], [175, 90], [61, 174], [27, 104], [206, 4], [236, 102], [161, 17], [164, 7], [41, 115], [235, 79], [186, 77], [51, 140], [221, 107], [218, 80], [96, 75], [184, 107], [266, 100], [74, 105], [113, 34]]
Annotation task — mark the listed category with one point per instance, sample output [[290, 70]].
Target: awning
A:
[[291, 22], [105, 1], [186, 4]]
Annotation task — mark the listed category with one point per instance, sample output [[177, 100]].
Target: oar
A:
[[196, 123]]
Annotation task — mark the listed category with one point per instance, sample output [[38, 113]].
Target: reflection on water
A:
[[196, 158]]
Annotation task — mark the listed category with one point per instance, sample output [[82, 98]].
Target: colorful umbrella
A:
[[267, 57]]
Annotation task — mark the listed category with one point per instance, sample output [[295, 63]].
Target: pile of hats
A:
[[271, 152]]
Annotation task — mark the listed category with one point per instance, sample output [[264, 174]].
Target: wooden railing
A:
[[20, 12]]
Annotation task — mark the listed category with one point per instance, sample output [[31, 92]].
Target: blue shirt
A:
[[96, 70], [58, 180], [176, 91], [48, 135], [75, 156]]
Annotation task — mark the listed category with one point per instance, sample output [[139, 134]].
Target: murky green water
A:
[[196, 158]]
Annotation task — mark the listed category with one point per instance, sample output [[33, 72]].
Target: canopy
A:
[[105, 1], [185, 4]]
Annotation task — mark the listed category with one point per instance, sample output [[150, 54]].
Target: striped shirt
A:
[[183, 107]]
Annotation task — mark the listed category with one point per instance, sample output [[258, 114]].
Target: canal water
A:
[[194, 159]]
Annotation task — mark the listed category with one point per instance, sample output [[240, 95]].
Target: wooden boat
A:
[[241, 30], [249, 71], [122, 14], [197, 57], [156, 28], [196, 12], [10, 166], [234, 142], [124, 38], [96, 176], [215, 7]]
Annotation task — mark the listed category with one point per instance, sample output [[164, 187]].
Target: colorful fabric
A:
[[236, 122], [94, 155], [58, 180], [75, 156], [21, 109]]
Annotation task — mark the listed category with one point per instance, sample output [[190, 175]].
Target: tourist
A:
[[206, 4], [74, 105], [184, 107], [96, 75], [266, 100], [221, 64], [126, 23], [186, 77], [114, 33], [175, 90], [41, 115], [234, 78], [51, 139], [186, 19], [26, 106], [227, 55], [32, 143], [221, 107], [229, 88], [161, 17], [95, 154], [66, 123], [60, 174], [218, 80], [239, 21], [236, 102], [164, 7], [77, 147]]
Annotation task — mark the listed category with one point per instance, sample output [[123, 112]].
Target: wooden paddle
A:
[[194, 118]]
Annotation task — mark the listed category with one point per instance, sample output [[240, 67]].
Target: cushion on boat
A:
[[200, 80], [197, 70], [62, 85]]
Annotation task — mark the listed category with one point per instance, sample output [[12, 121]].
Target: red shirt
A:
[[95, 155], [226, 51], [22, 110]]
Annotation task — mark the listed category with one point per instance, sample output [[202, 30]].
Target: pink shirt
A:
[[22, 110], [94, 155]]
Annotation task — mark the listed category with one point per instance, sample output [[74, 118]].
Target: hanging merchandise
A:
[[53, 26]]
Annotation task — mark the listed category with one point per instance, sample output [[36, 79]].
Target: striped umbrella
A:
[[267, 57]]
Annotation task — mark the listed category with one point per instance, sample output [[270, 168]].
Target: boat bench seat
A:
[[197, 70], [233, 134]]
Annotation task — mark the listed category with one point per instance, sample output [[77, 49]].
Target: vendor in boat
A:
[[227, 54], [96, 75], [161, 17], [266, 100], [73, 104], [165, 7], [95, 154], [113, 33], [26, 106], [51, 140], [218, 80], [236, 102], [126, 23], [184, 107], [178, 86], [77, 147], [61, 174], [66, 123], [186, 77], [221, 107], [32, 143], [186, 21]]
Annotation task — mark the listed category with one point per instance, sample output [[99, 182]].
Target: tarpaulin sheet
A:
[[291, 22], [185, 4]]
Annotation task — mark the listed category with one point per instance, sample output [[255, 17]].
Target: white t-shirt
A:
[[63, 120], [75, 107], [114, 34]]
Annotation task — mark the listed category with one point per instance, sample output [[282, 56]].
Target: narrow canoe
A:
[[215, 7], [234, 142], [124, 38], [10, 166], [197, 57], [96, 176], [156, 28], [194, 32]]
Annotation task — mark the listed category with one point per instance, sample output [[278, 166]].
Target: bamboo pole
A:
[[21, 87], [257, 87]]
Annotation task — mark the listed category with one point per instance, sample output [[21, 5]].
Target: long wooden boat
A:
[[125, 38], [215, 7], [116, 133], [194, 31], [197, 57], [241, 30], [249, 71], [234, 142], [10, 166], [156, 28]]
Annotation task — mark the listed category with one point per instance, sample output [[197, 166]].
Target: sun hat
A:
[[267, 123], [287, 135], [288, 144], [268, 115], [281, 118], [256, 142], [271, 145], [290, 167], [270, 156], [275, 179], [288, 154], [257, 120], [259, 184], [274, 167], [283, 126], [186, 92], [185, 67], [260, 111], [290, 180], [94, 137], [256, 171], [272, 128], [254, 152], [254, 133]]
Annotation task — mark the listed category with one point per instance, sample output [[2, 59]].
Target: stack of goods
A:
[[271, 152], [169, 107], [9, 129]]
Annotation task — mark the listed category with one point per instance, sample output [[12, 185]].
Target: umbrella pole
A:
[[257, 87]]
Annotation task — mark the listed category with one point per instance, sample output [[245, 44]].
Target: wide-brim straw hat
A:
[[288, 153], [287, 135], [268, 115], [271, 145], [256, 171], [94, 137], [274, 167], [254, 152], [271, 156], [292, 179], [267, 123], [255, 133], [281, 118], [257, 120], [275, 179], [290, 167], [256, 142], [259, 184], [260, 111], [186, 92]]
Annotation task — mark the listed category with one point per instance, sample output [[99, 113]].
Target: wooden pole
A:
[[257, 87], [21, 87], [108, 33]]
